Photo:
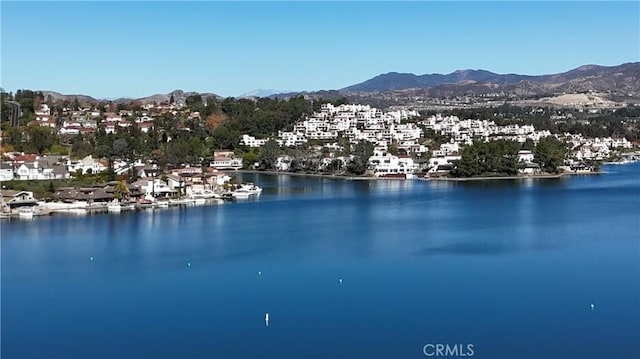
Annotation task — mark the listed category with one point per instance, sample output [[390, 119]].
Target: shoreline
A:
[[556, 176], [316, 175], [426, 179]]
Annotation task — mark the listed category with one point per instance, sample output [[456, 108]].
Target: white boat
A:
[[246, 190], [128, 207], [179, 201], [25, 213], [206, 194], [251, 188], [197, 199], [62, 206], [114, 206], [77, 211], [162, 204], [242, 193]]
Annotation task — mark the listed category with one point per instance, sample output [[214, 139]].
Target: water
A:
[[511, 267]]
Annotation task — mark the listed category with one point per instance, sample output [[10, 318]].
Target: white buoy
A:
[[91, 258], [188, 264], [259, 274], [340, 280], [592, 306], [266, 319]]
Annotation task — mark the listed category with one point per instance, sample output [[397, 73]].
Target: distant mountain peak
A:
[[587, 67], [260, 93], [582, 77]]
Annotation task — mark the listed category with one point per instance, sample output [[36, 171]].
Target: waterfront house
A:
[[178, 183], [393, 166], [217, 177], [95, 194], [528, 168], [226, 163], [155, 187], [14, 199], [525, 156]]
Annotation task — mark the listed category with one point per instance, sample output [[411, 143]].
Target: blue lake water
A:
[[511, 267]]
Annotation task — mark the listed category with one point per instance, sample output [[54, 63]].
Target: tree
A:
[[550, 153], [225, 138], [110, 172], [528, 145], [393, 149], [249, 159], [13, 136], [334, 166], [120, 147], [215, 120], [494, 158], [81, 148], [269, 154], [194, 101], [359, 163], [40, 138], [120, 191]]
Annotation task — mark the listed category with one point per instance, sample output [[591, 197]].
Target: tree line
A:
[[500, 157]]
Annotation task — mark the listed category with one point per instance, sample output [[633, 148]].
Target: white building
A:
[[390, 165], [252, 141], [224, 163]]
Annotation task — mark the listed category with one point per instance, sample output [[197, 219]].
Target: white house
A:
[[28, 171], [155, 187], [390, 165], [223, 162], [252, 141], [86, 164], [6, 174], [525, 156]]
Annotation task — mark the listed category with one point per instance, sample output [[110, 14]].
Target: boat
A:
[[30, 212], [227, 196], [77, 211], [251, 188], [128, 207], [64, 206], [26, 213], [180, 201], [246, 190], [114, 206], [144, 203], [242, 193], [206, 194], [199, 200], [162, 204]]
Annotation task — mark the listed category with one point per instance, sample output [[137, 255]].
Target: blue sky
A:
[[135, 49]]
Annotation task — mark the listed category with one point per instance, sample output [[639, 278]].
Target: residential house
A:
[[6, 171], [226, 163], [14, 199]]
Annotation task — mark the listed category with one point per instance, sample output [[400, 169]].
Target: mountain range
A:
[[622, 79], [179, 96]]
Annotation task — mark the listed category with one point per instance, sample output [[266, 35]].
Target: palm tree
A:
[[121, 190]]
